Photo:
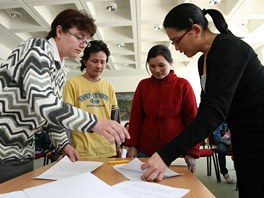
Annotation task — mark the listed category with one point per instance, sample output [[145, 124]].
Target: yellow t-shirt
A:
[[99, 99]]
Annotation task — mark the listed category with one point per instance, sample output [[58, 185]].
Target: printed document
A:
[[139, 189]]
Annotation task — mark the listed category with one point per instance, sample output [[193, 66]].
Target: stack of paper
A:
[[74, 181], [88, 185], [81, 185]]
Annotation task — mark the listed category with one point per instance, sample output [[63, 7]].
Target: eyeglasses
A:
[[81, 41], [178, 40]]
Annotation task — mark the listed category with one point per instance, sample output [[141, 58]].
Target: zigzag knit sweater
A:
[[30, 96]]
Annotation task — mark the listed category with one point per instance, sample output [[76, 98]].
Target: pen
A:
[[118, 161]]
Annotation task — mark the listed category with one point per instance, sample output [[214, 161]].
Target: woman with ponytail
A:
[[232, 81]]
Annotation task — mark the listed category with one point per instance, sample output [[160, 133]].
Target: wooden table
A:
[[111, 177]]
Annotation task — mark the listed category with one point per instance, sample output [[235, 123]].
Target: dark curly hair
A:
[[94, 47]]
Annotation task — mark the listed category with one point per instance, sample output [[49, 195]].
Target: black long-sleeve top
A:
[[234, 91]]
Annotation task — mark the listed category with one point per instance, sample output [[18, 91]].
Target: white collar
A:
[[56, 51]]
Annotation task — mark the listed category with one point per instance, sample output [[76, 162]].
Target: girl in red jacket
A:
[[162, 106]]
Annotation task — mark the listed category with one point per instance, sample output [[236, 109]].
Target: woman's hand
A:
[[112, 131], [154, 168]]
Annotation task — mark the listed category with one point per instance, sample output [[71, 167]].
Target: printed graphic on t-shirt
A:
[[94, 99]]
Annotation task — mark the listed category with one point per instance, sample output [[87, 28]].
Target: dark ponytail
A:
[[219, 21], [185, 15]]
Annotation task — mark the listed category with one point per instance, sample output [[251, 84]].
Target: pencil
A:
[[118, 161]]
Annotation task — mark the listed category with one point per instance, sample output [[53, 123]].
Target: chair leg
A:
[[217, 166], [217, 172], [210, 166], [46, 161], [208, 160]]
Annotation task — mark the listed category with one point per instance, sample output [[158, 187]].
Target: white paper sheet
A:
[[15, 194], [179, 162], [132, 170], [82, 185], [139, 189], [66, 168]]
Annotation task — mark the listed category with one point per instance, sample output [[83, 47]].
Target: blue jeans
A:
[[222, 150], [140, 154]]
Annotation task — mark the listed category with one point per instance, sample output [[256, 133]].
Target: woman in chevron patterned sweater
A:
[[31, 82]]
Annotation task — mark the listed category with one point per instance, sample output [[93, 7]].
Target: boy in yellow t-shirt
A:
[[94, 95]]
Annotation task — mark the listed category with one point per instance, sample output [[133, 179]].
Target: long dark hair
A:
[[183, 16], [93, 47]]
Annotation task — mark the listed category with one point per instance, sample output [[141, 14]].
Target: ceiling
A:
[[136, 25]]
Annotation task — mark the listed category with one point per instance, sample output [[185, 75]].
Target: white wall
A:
[[124, 81], [191, 74], [127, 82]]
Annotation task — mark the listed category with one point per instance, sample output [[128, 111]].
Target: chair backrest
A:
[[203, 143], [211, 142], [205, 150]]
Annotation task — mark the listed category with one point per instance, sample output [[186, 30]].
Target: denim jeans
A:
[[140, 154], [222, 150]]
